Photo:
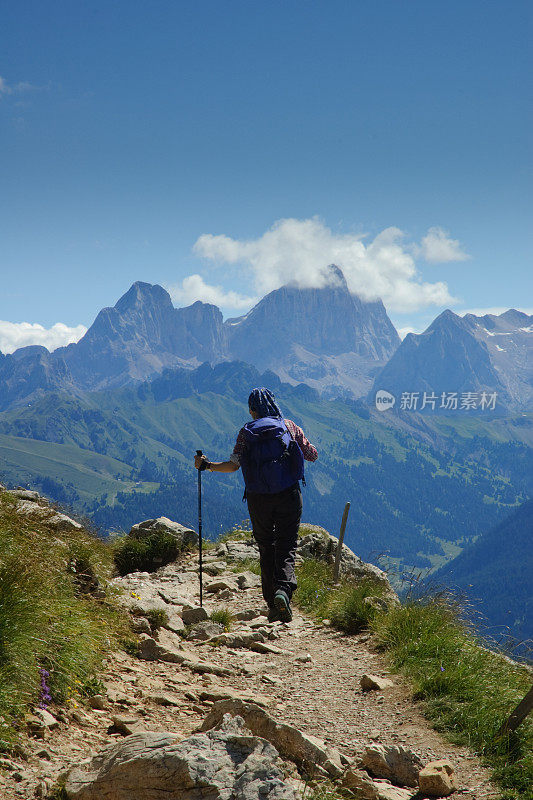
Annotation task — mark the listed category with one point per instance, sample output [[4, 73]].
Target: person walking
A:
[[271, 451]]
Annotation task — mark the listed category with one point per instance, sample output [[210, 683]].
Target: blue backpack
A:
[[271, 460]]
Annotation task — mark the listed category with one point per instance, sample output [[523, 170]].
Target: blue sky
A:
[[244, 143]]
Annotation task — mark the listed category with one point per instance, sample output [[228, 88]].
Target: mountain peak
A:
[[141, 294], [336, 277]]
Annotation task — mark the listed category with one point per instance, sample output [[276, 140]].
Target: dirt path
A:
[[312, 684]]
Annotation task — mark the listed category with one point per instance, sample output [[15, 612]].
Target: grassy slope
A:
[[467, 690], [46, 621], [91, 473]]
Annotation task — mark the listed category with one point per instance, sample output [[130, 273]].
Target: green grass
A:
[[325, 790], [344, 605], [236, 534], [46, 621], [468, 690], [223, 616], [247, 564]]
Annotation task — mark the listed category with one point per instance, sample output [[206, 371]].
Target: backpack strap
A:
[[294, 440]]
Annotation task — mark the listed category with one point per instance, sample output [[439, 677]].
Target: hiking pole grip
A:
[[199, 453]]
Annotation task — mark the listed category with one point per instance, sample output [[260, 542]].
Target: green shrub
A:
[[223, 616], [157, 617], [145, 555]]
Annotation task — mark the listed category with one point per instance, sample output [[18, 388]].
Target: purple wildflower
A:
[[45, 696]]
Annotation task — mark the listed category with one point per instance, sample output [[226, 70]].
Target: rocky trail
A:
[[297, 685]]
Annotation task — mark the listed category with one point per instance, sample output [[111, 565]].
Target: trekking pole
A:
[[202, 467]]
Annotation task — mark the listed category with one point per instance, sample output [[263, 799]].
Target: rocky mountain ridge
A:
[[294, 331], [464, 355], [328, 339]]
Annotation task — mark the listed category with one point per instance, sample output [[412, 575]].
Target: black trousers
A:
[[275, 521]]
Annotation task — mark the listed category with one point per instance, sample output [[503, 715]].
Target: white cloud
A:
[[402, 332], [299, 251], [21, 334], [15, 88], [437, 246], [194, 288], [496, 310]]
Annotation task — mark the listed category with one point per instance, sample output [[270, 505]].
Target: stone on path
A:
[[205, 630], [437, 779], [291, 743], [365, 788], [374, 683], [193, 614], [227, 693], [219, 586], [126, 725], [393, 762], [175, 623], [248, 580], [217, 765], [48, 719], [388, 792], [167, 647], [248, 614]]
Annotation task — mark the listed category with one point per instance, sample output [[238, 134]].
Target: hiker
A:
[[271, 451]]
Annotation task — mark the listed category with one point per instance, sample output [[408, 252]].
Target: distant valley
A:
[[108, 426]]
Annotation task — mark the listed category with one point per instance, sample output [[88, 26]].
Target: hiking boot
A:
[[273, 614], [281, 602]]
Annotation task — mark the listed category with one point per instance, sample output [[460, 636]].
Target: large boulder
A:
[[316, 542], [185, 536], [217, 765], [393, 762], [291, 743]]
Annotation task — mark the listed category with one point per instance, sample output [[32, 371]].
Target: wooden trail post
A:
[[339, 547], [523, 708]]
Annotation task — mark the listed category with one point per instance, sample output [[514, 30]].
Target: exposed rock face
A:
[[305, 342], [31, 372], [131, 341], [310, 318], [143, 334], [218, 765], [450, 356], [509, 340]]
